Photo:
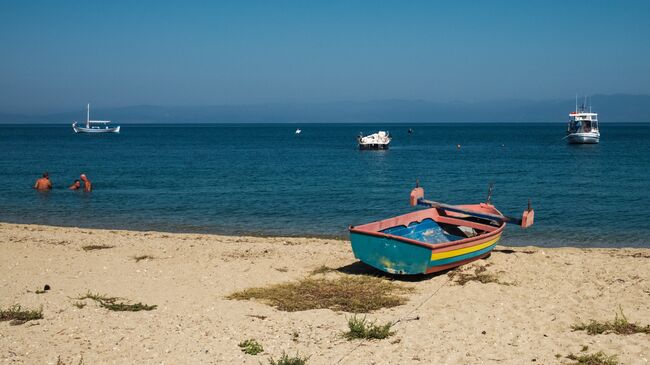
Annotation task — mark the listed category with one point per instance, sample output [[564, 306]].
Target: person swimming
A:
[[88, 187], [43, 183], [75, 185]]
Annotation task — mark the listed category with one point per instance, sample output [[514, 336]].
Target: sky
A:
[[58, 55]]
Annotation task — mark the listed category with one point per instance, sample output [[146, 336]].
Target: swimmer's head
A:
[[46, 174], [83, 177]]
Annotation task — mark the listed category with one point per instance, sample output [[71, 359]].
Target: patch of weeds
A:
[[287, 360], [142, 257], [251, 347], [361, 328], [599, 358], [117, 304], [480, 275], [17, 315], [620, 326], [359, 294], [323, 269], [96, 247], [126, 307], [98, 297]]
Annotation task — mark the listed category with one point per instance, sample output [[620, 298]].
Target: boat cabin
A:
[[582, 122]]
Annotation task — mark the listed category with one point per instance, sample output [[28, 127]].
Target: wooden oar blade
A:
[[527, 218], [416, 195]]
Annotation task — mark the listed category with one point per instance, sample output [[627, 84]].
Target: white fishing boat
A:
[[375, 141], [583, 126], [298, 131], [94, 126]]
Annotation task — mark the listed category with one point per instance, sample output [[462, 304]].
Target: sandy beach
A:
[[526, 318]]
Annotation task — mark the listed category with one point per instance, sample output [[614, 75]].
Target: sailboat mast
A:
[[88, 116]]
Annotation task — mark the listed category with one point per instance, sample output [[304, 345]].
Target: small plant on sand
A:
[[359, 294], [251, 347], [116, 304], [127, 307], [17, 315], [599, 358], [142, 257], [361, 328], [620, 326], [96, 247], [480, 275], [323, 269], [289, 360], [79, 304]]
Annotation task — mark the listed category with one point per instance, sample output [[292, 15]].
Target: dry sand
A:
[[190, 275]]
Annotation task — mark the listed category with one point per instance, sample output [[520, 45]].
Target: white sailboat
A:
[[94, 126]]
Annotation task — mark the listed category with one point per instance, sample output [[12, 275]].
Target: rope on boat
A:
[[402, 318]]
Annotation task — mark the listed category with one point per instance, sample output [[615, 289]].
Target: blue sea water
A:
[[263, 179]]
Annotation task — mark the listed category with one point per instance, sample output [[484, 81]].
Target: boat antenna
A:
[[576, 109], [489, 195]]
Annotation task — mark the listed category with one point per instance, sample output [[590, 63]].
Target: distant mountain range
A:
[[611, 109]]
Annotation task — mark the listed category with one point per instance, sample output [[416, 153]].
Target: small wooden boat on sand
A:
[[435, 239]]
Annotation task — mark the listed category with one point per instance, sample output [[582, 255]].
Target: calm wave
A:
[[264, 179]]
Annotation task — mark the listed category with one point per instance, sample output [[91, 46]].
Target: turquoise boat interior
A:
[[427, 231]]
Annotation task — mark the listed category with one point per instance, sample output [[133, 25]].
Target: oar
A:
[[417, 198]]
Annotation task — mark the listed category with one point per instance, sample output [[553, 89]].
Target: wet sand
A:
[[190, 276]]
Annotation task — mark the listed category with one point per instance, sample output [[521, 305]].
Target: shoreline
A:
[[190, 275], [343, 237]]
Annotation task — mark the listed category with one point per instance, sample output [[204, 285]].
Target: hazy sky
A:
[[60, 54]]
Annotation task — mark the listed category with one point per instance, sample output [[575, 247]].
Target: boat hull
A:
[[373, 146], [95, 130], [583, 138], [394, 245]]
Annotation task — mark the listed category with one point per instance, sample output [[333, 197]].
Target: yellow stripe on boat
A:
[[462, 251]]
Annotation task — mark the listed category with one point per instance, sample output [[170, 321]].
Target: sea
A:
[[264, 179]]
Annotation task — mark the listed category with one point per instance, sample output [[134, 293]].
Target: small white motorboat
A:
[[375, 141], [94, 126], [583, 126], [298, 131]]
